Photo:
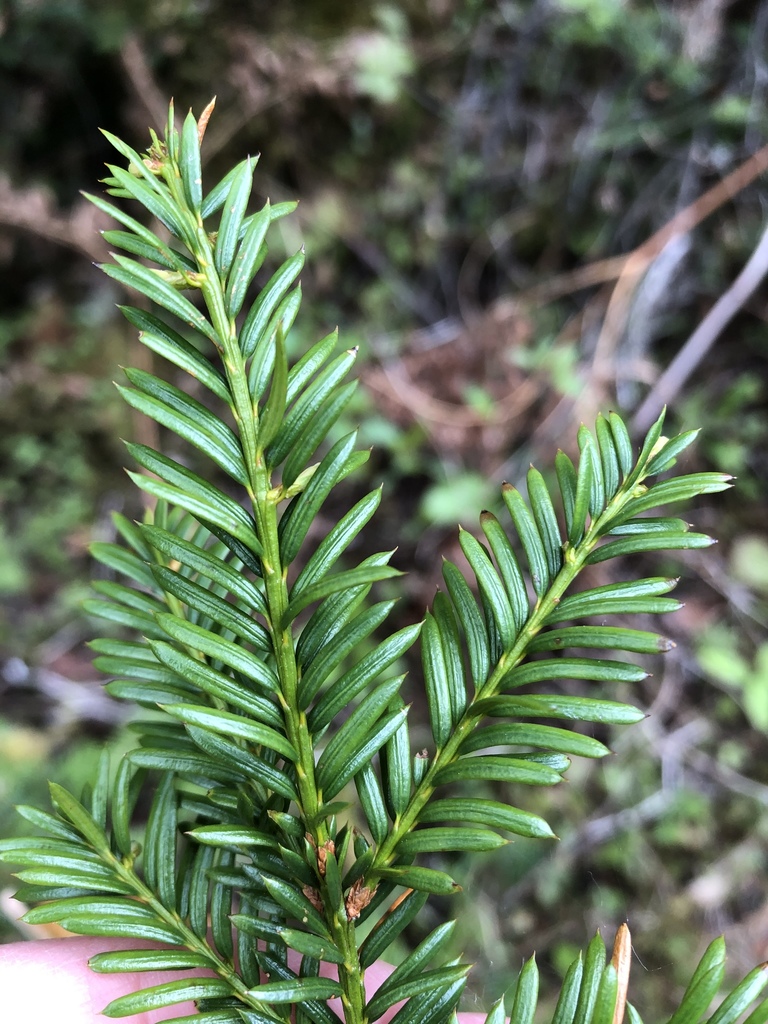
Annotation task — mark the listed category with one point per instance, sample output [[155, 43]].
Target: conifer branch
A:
[[277, 703]]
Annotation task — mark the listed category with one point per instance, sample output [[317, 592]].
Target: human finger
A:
[[49, 980]]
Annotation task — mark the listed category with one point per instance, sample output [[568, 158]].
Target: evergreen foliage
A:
[[278, 703]]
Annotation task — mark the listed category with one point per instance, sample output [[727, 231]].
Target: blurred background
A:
[[522, 212]]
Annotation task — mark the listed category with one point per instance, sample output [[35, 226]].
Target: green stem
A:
[[351, 976], [276, 594], [265, 516], [276, 591]]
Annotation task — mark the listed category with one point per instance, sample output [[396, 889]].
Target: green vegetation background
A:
[[454, 159]]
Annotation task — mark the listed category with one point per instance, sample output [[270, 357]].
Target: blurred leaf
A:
[[749, 561], [449, 502], [381, 62]]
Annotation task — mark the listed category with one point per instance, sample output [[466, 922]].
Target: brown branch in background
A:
[[639, 260], [395, 384], [264, 77], [31, 209], [705, 335], [142, 82], [599, 272], [629, 268]]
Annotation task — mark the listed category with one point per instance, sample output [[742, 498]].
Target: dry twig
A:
[[703, 338], [142, 82], [637, 262], [31, 210]]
